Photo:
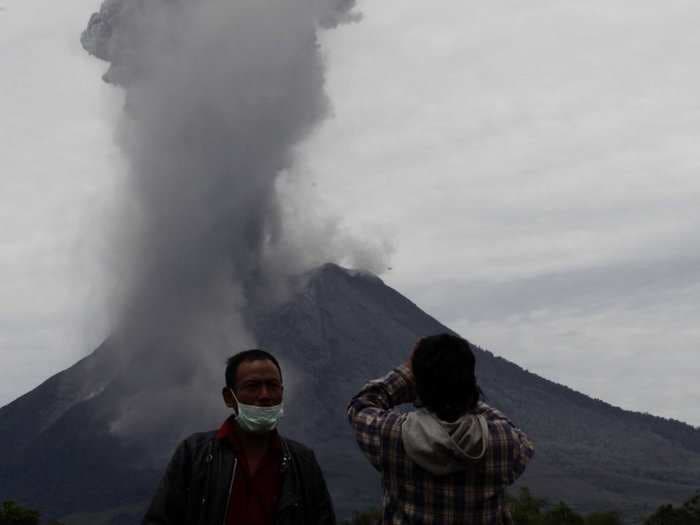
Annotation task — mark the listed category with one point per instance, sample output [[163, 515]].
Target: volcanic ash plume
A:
[[219, 93]]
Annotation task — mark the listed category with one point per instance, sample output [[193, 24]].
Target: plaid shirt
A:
[[474, 496]]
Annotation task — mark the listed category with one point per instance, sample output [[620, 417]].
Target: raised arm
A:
[[370, 411]]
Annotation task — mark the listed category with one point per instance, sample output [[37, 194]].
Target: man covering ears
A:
[[245, 473]]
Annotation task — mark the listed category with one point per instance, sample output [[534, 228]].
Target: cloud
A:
[[642, 358], [537, 164], [57, 169], [533, 165], [634, 284]]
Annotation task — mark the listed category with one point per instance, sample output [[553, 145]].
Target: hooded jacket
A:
[[444, 447], [433, 471]]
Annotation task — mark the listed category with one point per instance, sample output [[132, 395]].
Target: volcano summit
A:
[[66, 447]]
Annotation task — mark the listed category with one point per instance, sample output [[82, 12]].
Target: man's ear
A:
[[230, 401]]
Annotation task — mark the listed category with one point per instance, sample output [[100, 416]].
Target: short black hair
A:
[[254, 354], [443, 366]]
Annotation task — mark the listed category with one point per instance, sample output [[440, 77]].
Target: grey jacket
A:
[[196, 486]]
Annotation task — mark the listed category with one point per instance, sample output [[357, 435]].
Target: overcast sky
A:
[[532, 164]]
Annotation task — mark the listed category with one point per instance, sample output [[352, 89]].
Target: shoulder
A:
[[190, 453], [302, 455], [298, 449], [196, 444], [306, 466], [199, 439]]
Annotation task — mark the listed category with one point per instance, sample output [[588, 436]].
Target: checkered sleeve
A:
[[512, 448], [371, 416]]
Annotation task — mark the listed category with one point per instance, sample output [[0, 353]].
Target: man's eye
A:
[[273, 386]]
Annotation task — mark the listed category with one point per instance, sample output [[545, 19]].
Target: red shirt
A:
[[254, 497]]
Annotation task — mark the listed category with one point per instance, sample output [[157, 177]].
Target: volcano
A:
[[62, 452]]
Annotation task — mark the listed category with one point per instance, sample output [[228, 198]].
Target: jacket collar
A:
[[230, 432]]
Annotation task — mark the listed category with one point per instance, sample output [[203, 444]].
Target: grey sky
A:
[[532, 165]]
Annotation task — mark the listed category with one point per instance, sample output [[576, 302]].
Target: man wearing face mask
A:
[[245, 473]]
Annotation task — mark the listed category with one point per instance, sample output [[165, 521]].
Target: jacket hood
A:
[[444, 447]]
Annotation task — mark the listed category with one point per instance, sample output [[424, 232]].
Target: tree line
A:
[[13, 514], [525, 508]]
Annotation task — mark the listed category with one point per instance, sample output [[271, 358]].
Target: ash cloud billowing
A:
[[219, 92]]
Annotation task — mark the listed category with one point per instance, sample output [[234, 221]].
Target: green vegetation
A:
[[526, 509], [529, 510], [687, 514], [13, 514]]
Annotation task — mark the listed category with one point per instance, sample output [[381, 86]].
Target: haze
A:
[[532, 167]]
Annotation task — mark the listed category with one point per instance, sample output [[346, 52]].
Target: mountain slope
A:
[[60, 450]]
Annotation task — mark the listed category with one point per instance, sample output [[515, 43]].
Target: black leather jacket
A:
[[196, 487]]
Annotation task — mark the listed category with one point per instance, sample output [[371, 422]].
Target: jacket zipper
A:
[[286, 461], [230, 489]]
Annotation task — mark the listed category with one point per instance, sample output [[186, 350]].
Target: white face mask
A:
[[257, 419]]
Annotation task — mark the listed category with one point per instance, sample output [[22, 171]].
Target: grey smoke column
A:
[[218, 93]]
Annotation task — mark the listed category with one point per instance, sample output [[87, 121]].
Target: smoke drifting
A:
[[219, 94]]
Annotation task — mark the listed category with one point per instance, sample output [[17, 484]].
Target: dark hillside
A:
[[59, 450]]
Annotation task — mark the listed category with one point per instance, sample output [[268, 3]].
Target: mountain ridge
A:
[[339, 329]]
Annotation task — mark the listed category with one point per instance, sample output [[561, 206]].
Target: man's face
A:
[[258, 383]]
